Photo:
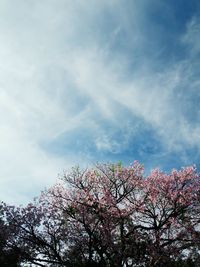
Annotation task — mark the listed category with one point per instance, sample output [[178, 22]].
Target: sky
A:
[[96, 81]]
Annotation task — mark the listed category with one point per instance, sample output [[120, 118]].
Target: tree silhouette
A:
[[109, 215]]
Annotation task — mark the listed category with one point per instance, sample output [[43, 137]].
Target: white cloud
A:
[[191, 37], [150, 96], [54, 55]]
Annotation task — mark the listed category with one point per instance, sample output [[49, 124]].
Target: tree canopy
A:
[[107, 216]]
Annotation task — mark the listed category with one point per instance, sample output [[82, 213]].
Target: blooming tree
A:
[[111, 215]]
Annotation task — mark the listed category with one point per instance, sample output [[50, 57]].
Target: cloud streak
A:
[[87, 81]]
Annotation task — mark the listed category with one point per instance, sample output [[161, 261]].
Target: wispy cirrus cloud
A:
[[87, 81]]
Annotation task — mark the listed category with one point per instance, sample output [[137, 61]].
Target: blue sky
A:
[[87, 81]]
